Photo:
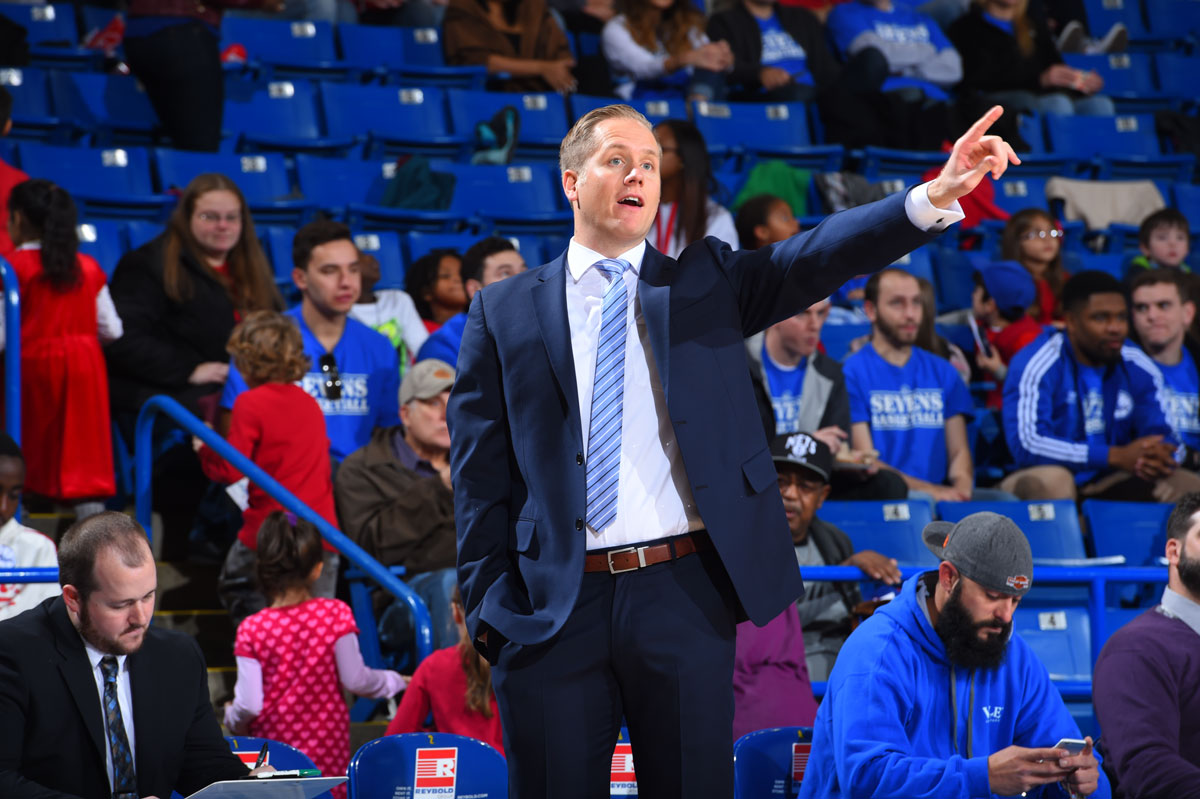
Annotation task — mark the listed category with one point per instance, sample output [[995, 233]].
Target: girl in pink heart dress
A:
[[295, 656]]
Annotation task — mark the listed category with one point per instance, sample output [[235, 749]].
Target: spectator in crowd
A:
[[518, 39], [434, 281], [1003, 293], [801, 388], [21, 547], [686, 213], [393, 495], [10, 176], [1034, 240], [1083, 411], [1164, 240], [928, 337], [295, 657], [277, 425], [763, 220], [389, 312], [454, 687], [66, 311], [658, 48], [906, 402], [1144, 687], [805, 466], [771, 687], [179, 297], [485, 262], [353, 371], [406, 13], [64, 661], [1009, 56], [172, 48], [331, 11], [949, 628]]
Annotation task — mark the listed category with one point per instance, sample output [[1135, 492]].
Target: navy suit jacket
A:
[[517, 453], [52, 739]]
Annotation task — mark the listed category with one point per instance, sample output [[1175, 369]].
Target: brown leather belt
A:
[[627, 559]]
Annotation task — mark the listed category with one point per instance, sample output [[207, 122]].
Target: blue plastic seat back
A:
[[423, 47], [955, 272], [756, 127], [1137, 530], [280, 755], [891, 528], [918, 263], [427, 764], [104, 240], [543, 114], [263, 177], [1061, 637], [1087, 136], [276, 241], [514, 191], [30, 90], [407, 113], [385, 246], [655, 110], [1112, 263], [418, 243], [1103, 14], [1123, 73], [95, 171], [768, 763], [1187, 200], [1175, 20], [333, 182], [1052, 527], [139, 232], [372, 46], [281, 108], [53, 22], [273, 41], [1177, 74], [1014, 193], [837, 338], [116, 102]]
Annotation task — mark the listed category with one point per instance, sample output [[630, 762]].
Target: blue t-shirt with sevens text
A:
[[1181, 399], [907, 408]]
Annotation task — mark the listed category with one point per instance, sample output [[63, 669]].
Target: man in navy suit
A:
[[610, 540]]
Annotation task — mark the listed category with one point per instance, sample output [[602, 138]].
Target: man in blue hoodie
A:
[[933, 696]]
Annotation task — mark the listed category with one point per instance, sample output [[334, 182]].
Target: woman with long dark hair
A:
[[686, 213], [434, 281], [65, 310], [1033, 239]]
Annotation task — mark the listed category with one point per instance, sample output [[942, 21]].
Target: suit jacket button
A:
[[579, 458], [579, 524]]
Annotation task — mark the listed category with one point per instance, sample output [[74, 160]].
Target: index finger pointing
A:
[[982, 124]]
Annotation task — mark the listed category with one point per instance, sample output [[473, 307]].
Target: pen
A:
[[295, 772], [262, 757]]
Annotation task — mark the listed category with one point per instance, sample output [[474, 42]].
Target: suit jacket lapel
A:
[[654, 292], [550, 305], [76, 672]]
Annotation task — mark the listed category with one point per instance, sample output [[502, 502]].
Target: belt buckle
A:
[[641, 556]]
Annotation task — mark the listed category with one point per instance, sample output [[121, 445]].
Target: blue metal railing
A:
[[12, 352], [144, 466]]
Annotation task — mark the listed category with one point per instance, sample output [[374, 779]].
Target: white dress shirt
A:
[[654, 496], [124, 699]]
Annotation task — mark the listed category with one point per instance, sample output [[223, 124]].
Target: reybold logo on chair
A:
[[622, 780], [436, 773], [800, 753], [248, 757]]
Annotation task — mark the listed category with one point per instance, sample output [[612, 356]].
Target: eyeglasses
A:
[[211, 218], [1041, 234], [333, 380]]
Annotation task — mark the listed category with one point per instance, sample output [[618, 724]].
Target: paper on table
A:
[[280, 788]]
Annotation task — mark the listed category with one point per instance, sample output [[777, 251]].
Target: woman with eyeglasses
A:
[[1032, 238]]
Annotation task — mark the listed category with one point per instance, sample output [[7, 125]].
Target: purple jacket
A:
[[770, 681]]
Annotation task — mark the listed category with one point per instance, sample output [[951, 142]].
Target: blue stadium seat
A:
[[1128, 79], [1136, 531], [139, 232], [764, 130], [1187, 200], [1177, 75], [391, 120], [104, 240], [114, 108], [891, 528], [281, 49], [424, 63], [883, 162], [1172, 20], [532, 248], [53, 39], [1112, 263], [1061, 637], [519, 199], [262, 177], [918, 263], [1123, 146], [276, 240], [655, 110], [280, 755], [33, 116], [1051, 527], [385, 246], [372, 48], [105, 182], [1103, 14], [418, 243], [955, 281], [543, 118], [402, 765], [771, 762], [1015, 192], [280, 115], [837, 338]]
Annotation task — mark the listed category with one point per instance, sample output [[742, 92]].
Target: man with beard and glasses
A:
[[1083, 408], [934, 696], [94, 701], [905, 402], [1146, 678]]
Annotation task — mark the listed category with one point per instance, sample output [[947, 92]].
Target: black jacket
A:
[[834, 546], [738, 27], [164, 340], [992, 62]]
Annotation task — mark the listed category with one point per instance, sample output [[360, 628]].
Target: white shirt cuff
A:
[[925, 215]]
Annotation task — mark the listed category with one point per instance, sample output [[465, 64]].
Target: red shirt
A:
[[281, 429], [440, 684], [10, 176], [1008, 342]]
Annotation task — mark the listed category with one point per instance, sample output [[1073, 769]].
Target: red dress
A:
[[281, 429], [302, 698], [440, 685], [65, 424]]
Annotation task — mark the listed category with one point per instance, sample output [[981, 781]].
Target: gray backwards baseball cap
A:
[[986, 547]]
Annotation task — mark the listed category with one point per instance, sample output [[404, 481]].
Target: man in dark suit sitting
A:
[[94, 702], [609, 586]]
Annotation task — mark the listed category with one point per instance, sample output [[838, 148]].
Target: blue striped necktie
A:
[[608, 390], [124, 782]]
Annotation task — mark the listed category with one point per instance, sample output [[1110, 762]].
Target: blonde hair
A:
[[580, 141], [267, 348]]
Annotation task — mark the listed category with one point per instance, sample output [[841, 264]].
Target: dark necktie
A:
[[124, 781]]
